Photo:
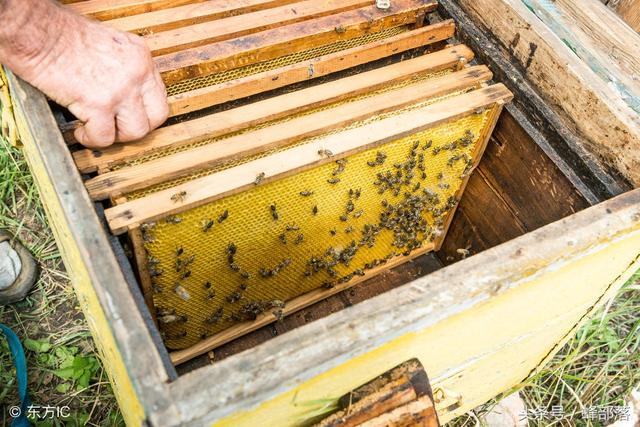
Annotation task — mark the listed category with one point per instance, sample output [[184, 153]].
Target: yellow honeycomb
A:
[[229, 260]]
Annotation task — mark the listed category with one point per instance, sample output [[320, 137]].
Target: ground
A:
[[597, 368]]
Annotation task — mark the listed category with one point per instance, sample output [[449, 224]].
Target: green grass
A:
[[64, 369], [600, 365]]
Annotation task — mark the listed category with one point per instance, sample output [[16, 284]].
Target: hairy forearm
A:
[[30, 31]]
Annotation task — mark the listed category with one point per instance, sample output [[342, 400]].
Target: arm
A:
[[105, 77]]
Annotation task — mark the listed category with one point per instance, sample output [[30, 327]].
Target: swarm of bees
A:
[[411, 212]]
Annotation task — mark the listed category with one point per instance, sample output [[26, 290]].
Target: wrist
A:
[[30, 32]]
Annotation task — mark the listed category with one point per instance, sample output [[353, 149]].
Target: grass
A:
[[64, 369], [599, 366]]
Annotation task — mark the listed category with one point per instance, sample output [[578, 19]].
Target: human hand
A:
[[105, 77]]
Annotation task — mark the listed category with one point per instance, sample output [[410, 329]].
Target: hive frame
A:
[[143, 389]]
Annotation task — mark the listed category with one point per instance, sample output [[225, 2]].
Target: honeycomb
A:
[[235, 258]]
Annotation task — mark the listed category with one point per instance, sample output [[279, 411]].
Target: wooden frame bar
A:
[[104, 10], [190, 14], [278, 135], [273, 79], [294, 160], [216, 57], [241, 25], [270, 109]]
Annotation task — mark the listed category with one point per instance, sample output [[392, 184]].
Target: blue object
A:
[[20, 362]]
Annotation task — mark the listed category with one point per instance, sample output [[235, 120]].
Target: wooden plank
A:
[[190, 14], [269, 44], [270, 109], [526, 179], [237, 26], [116, 327], [478, 151], [104, 10], [317, 67], [200, 191], [296, 304], [592, 108], [566, 267], [278, 135], [142, 267], [629, 11], [382, 396]]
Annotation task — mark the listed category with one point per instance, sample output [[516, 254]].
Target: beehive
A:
[[242, 216]]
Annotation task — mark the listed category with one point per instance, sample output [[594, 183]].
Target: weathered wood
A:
[[588, 105], [81, 238], [278, 135], [388, 397], [142, 267], [629, 11], [520, 183], [525, 179], [110, 9], [317, 67], [296, 304], [241, 25], [190, 14], [491, 291], [270, 109], [285, 40]]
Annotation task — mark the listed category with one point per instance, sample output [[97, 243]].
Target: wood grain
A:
[[269, 109], [240, 25], [303, 157], [276, 42], [104, 10], [278, 135], [190, 14], [311, 69]]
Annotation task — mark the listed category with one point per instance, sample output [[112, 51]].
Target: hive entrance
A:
[[244, 216]]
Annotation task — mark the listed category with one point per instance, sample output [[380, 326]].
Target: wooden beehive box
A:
[[288, 116]]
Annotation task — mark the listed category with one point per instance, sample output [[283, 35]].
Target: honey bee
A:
[[234, 297], [179, 197], [333, 232], [172, 219], [245, 274], [343, 218], [333, 180], [306, 193], [259, 178], [299, 239], [185, 275], [223, 216], [274, 212], [207, 224], [325, 153], [314, 210], [348, 230], [179, 251], [358, 213], [283, 238], [292, 227], [232, 249], [215, 318]]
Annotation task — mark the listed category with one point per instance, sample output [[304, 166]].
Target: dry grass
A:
[[64, 369]]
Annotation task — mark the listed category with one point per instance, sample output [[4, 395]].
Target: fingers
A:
[[132, 120], [97, 132]]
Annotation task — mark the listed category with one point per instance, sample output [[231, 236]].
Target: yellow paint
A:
[[481, 352], [129, 402]]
